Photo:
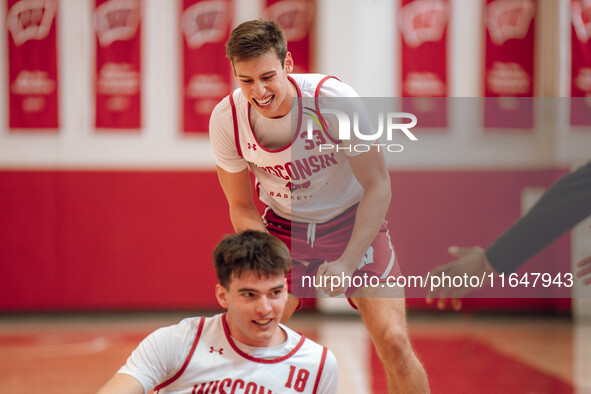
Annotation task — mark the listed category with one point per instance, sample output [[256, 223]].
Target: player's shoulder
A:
[[224, 107], [183, 328], [308, 344], [331, 86]]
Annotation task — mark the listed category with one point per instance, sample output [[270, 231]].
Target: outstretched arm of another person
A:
[[566, 203]]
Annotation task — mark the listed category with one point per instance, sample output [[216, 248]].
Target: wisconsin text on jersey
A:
[[299, 170], [232, 386]]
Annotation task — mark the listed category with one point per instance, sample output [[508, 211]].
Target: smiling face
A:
[[255, 305], [265, 85]]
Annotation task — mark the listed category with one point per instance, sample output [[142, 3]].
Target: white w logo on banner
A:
[[581, 17], [509, 19], [30, 20], [204, 22]]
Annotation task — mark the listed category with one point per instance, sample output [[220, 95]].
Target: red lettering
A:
[[236, 383], [249, 386], [314, 163], [226, 382], [303, 167]]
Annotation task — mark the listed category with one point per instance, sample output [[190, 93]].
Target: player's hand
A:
[[471, 262], [332, 273]]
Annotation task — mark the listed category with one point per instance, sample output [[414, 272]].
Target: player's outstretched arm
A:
[[122, 384], [238, 190], [471, 261]]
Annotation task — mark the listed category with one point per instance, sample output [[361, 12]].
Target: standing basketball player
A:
[[245, 350], [329, 207]]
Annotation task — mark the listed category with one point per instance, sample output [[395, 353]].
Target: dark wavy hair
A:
[[250, 251], [255, 38]]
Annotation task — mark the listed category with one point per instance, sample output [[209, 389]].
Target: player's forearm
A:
[[246, 218], [371, 213], [566, 203]]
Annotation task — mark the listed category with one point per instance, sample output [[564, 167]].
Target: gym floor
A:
[[75, 353]]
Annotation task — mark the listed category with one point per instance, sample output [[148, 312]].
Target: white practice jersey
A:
[[198, 355], [306, 181]]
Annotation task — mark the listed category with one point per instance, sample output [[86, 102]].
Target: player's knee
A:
[[396, 345]]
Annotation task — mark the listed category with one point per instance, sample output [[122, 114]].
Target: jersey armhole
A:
[[235, 123], [189, 356], [320, 368], [317, 105]]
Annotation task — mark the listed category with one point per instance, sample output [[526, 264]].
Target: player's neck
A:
[[287, 104]]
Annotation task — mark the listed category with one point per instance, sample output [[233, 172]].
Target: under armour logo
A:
[[252, 146], [212, 349]]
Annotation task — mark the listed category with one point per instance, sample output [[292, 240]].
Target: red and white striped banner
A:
[[509, 63], [117, 24], [296, 17], [581, 63], [32, 53], [423, 29], [207, 74]]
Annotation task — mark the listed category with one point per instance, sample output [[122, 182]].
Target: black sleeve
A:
[[566, 203]]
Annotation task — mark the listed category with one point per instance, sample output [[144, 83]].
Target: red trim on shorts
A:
[[320, 368], [352, 303], [259, 360], [180, 372], [235, 121]]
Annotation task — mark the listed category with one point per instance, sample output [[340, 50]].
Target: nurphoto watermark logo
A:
[[389, 123]]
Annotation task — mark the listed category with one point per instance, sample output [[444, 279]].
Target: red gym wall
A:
[[109, 240], [108, 193]]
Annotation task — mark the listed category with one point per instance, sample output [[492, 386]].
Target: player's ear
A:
[[288, 63], [221, 293]]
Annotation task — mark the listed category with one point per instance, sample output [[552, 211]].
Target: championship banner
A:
[[296, 17], [509, 63], [207, 74], [32, 54], [423, 30], [580, 110], [117, 24]]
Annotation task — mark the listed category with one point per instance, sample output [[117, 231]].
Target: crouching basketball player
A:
[[246, 349]]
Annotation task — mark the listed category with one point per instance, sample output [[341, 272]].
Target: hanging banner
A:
[[296, 17], [509, 63], [117, 24], [32, 54], [580, 110], [423, 30], [207, 74]]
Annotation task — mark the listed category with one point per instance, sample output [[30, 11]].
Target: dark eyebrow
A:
[[262, 75], [246, 289]]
